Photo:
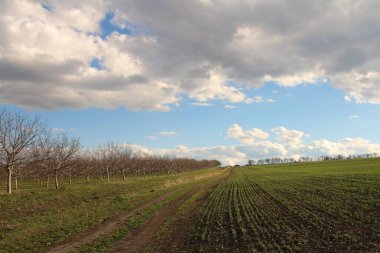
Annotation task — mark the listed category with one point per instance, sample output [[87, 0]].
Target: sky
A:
[[209, 79]]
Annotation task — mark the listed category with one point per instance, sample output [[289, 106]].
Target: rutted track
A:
[[140, 237], [106, 227]]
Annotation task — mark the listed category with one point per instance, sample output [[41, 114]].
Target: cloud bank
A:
[[276, 142], [160, 51]]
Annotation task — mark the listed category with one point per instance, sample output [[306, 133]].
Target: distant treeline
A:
[[29, 149], [278, 160]]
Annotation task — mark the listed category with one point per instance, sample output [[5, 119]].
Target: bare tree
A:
[[108, 155], [125, 161], [57, 152], [17, 133]]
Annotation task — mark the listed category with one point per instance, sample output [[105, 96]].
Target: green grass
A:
[[41, 217], [331, 206], [103, 243]]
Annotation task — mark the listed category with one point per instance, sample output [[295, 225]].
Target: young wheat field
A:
[[331, 206]]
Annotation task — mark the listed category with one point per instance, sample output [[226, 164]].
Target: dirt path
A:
[[137, 238], [176, 237], [105, 227], [143, 235]]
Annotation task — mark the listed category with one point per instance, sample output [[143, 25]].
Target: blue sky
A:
[[318, 110], [213, 83]]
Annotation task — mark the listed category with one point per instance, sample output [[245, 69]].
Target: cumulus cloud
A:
[[284, 41], [347, 146], [48, 53], [240, 154], [288, 137], [283, 142], [246, 137], [166, 55]]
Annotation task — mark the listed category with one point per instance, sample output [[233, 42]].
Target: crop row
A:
[[260, 211]]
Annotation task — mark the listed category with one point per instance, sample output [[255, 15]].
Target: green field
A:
[[331, 206], [39, 218]]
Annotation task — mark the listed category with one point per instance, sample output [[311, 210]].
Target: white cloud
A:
[[168, 133], [347, 98], [201, 104], [246, 42], [347, 146], [360, 87], [240, 154], [48, 53], [288, 137], [246, 137], [295, 79], [229, 106], [259, 99], [157, 136], [263, 149], [290, 143]]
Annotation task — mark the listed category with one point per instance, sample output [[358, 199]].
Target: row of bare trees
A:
[[29, 149], [307, 159]]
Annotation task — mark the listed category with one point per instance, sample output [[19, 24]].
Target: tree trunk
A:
[[56, 180], [124, 178], [47, 181], [108, 176], [16, 183], [9, 184], [70, 181], [87, 178]]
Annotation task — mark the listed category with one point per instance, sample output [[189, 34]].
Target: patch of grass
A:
[[41, 217]]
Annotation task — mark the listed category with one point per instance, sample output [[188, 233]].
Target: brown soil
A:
[[106, 227], [176, 239], [142, 236]]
